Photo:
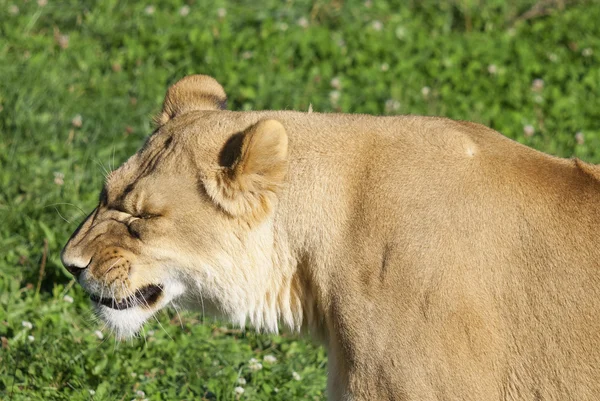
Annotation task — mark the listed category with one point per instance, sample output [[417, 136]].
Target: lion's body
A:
[[436, 260]]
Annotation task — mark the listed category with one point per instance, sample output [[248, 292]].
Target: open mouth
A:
[[145, 296]]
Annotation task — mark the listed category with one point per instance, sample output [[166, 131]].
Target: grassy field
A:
[[80, 80]]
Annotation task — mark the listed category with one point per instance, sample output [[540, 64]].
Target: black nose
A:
[[75, 270]]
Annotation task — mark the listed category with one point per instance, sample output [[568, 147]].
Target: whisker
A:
[[62, 217], [162, 327], [112, 162], [68, 204], [202, 300], [106, 172], [178, 315], [112, 297], [128, 298], [155, 318], [102, 292], [113, 265], [199, 294]]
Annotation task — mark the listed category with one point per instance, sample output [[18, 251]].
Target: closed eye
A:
[[130, 215], [146, 216]]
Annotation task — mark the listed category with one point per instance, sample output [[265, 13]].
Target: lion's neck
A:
[[310, 222], [293, 295], [290, 284]]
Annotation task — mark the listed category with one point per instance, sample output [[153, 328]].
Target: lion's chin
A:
[[127, 322], [124, 323]]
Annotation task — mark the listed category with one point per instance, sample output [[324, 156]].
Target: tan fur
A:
[[435, 259], [194, 92], [246, 185]]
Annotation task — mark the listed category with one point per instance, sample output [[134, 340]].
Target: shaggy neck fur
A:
[[281, 288], [299, 294]]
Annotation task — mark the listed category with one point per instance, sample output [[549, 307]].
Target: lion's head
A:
[[188, 218]]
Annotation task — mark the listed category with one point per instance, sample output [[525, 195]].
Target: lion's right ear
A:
[[253, 167], [194, 92]]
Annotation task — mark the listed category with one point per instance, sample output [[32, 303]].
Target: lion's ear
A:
[[194, 92], [253, 167]]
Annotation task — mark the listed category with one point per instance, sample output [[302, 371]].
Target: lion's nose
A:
[[75, 270], [75, 265]]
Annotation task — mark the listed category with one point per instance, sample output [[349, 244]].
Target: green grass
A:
[[79, 82]]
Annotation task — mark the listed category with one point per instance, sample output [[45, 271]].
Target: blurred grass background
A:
[[79, 81]]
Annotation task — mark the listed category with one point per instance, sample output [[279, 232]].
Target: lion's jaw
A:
[[126, 323]]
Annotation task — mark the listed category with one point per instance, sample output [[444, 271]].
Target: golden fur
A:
[[435, 259]]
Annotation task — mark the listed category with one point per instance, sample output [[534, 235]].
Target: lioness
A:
[[435, 259]]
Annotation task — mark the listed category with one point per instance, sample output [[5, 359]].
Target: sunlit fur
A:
[[434, 259]]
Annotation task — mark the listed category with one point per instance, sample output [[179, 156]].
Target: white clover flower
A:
[[335, 83], [99, 334], [31, 338], [391, 105], [296, 376], [303, 22], [579, 138], [385, 67], [537, 85], [276, 389], [552, 57], [247, 55], [492, 69], [27, 324], [92, 392], [334, 96], [425, 91], [282, 26], [239, 390], [14, 10], [140, 394], [66, 298], [377, 25], [149, 10], [183, 11], [241, 381], [63, 41], [77, 121], [270, 359], [59, 179], [400, 32], [133, 374], [255, 365], [587, 52], [221, 12], [528, 130]]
